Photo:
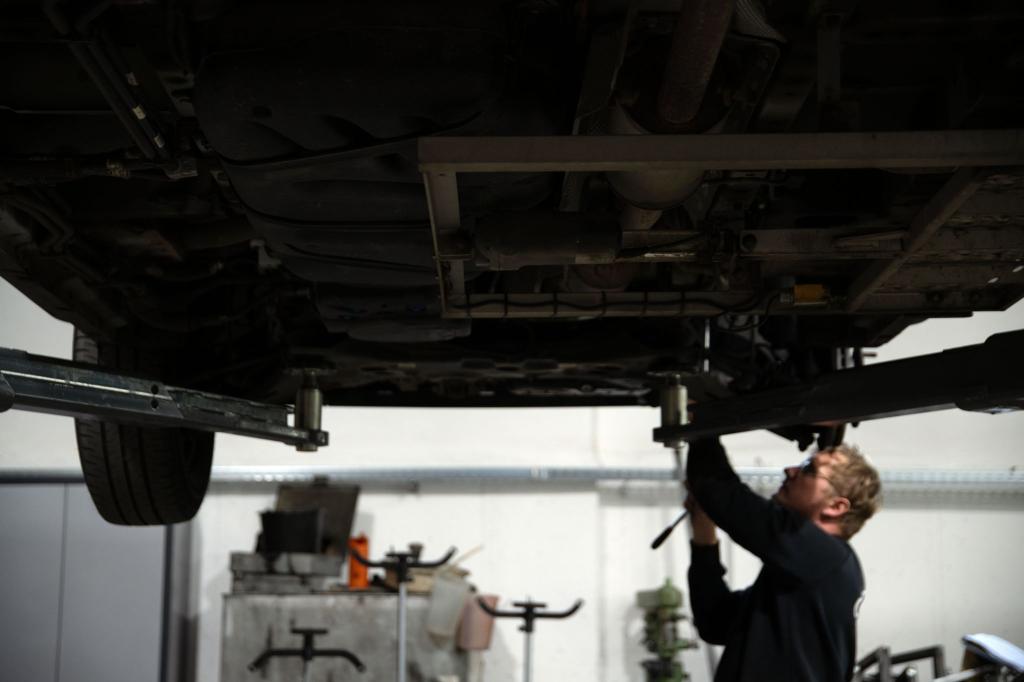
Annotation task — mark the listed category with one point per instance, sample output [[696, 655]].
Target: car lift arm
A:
[[987, 377], [41, 384], [984, 377]]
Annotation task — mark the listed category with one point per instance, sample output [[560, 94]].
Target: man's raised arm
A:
[[715, 607], [778, 536]]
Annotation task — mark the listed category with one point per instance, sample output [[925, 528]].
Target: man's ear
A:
[[835, 508]]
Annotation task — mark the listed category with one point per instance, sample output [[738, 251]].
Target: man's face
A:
[[807, 487]]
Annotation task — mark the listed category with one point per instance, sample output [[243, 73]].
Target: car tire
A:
[[139, 476]]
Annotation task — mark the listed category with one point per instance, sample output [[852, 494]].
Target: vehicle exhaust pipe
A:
[[700, 31], [699, 34]]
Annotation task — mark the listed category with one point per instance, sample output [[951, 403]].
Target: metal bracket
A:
[[309, 406], [673, 407], [41, 384]]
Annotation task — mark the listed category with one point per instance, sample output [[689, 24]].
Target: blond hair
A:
[[856, 480]]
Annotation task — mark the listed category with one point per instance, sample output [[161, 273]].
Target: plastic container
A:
[[447, 597]]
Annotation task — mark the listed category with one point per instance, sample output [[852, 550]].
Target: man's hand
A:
[[703, 527]]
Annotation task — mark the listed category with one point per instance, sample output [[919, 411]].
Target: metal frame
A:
[[934, 215], [884, 659], [838, 243], [880, 657], [443, 158], [40, 384], [539, 154]]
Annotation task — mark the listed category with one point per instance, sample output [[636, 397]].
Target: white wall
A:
[[934, 570]]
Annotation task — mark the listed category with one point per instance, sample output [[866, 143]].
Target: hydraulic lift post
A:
[[41, 384]]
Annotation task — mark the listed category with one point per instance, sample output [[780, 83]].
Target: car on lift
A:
[[498, 202]]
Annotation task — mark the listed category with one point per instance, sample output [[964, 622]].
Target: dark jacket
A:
[[797, 621]]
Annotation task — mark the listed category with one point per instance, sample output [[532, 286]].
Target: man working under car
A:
[[797, 621]]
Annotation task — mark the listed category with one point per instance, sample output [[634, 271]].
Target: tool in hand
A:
[[668, 531]]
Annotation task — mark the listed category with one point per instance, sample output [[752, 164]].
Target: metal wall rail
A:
[[924, 480]]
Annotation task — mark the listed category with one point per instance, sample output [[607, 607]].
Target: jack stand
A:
[[400, 563], [307, 653], [531, 610]]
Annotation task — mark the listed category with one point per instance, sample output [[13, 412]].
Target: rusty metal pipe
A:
[[700, 31]]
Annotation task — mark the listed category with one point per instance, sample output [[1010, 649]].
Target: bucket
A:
[[477, 625]]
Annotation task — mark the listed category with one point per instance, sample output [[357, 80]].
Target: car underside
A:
[[240, 188]]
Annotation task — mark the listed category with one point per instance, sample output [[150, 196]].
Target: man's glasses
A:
[[809, 468]]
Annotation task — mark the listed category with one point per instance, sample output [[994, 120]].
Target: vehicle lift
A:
[[41, 384], [985, 377]]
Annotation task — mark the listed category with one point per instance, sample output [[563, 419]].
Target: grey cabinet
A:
[[80, 600], [31, 538], [364, 623]]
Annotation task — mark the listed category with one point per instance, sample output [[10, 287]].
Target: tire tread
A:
[[139, 475]]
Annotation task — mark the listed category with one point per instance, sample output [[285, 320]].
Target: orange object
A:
[[358, 579]]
